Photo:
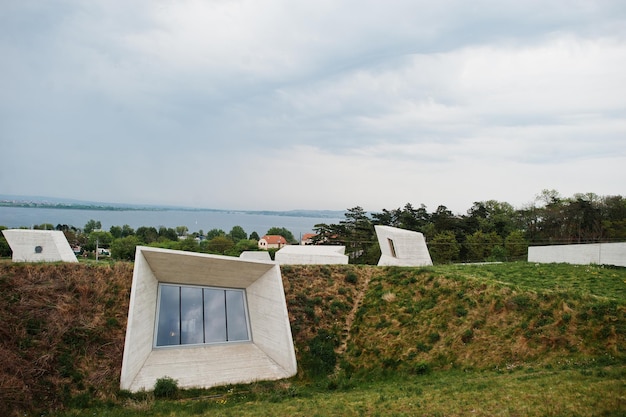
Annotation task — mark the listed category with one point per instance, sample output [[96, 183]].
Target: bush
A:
[[166, 387], [320, 359]]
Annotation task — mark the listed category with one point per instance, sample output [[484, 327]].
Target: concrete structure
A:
[[312, 255], [269, 354], [583, 254], [258, 255], [402, 247], [39, 246], [272, 242]]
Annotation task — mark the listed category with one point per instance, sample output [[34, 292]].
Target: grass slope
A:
[[369, 340]]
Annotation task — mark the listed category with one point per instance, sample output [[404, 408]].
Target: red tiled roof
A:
[[274, 239]]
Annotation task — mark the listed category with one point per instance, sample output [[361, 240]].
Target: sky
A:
[[325, 104]]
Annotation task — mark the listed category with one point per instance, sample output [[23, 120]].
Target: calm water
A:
[[13, 217]]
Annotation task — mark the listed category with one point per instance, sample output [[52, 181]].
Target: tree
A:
[[100, 239], [443, 220], [116, 231], [516, 246], [127, 231], [214, 233], [188, 244], [168, 233], [357, 233], [91, 226], [220, 244], [147, 235], [444, 248], [254, 236], [5, 249], [182, 230], [124, 248], [480, 245], [237, 233]]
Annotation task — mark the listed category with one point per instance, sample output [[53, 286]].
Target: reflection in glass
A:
[[168, 332], [190, 315], [236, 313], [214, 316], [191, 331]]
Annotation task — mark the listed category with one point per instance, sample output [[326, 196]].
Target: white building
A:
[[205, 320], [39, 245], [583, 254], [311, 255], [402, 247]]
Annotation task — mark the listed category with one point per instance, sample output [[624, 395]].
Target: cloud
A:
[[279, 104]]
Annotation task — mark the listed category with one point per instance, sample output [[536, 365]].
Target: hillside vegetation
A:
[[63, 327]]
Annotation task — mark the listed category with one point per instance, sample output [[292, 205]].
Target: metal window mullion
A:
[[203, 319], [226, 315], [180, 316]]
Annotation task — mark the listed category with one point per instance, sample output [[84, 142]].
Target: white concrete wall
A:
[[269, 355], [311, 255], [409, 247], [258, 255], [584, 254], [53, 244]]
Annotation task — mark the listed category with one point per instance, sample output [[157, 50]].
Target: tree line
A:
[[120, 242], [488, 231]]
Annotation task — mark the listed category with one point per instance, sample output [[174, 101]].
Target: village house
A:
[[307, 238], [272, 242]]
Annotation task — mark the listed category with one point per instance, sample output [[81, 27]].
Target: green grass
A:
[[519, 392], [598, 280], [496, 339]]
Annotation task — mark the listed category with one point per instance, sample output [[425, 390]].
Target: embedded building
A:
[[580, 254], [311, 255], [258, 255], [39, 246], [205, 320], [400, 247]]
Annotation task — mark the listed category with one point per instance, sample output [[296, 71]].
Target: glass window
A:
[[196, 315]]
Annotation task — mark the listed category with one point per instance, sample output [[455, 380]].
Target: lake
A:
[[195, 220]]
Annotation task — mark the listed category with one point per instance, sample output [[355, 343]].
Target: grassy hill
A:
[[369, 340]]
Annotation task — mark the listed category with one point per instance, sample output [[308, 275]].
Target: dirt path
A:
[[358, 300]]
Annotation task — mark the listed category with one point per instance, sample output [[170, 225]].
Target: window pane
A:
[[236, 313], [214, 316], [191, 316], [168, 330]]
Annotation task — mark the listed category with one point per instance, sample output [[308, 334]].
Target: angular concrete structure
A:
[[39, 246], [257, 255], [400, 247], [267, 353], [581, 254], [311, 255]]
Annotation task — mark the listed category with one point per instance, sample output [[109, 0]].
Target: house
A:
[[307, 239], [272, 242]]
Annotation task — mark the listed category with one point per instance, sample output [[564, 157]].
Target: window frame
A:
[[203, 344]]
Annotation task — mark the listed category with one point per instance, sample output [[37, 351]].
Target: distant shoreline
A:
[[111, 207]]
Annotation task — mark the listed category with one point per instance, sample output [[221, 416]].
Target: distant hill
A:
[[64, 203]]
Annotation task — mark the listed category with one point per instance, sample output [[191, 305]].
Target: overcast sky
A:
[[325, 104]]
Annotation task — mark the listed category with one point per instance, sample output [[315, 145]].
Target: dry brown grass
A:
[[63, 325], [62, 333]]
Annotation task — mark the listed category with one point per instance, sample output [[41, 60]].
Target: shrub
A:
[[166, 387]]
